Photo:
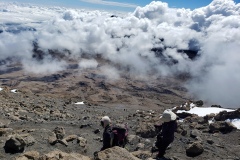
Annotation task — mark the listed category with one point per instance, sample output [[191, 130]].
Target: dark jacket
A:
[[106, 137], [168, 129]]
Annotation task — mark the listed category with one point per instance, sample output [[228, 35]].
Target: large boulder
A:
[[115, 153], [222, 116], [184, 114], [57, 154], [221, 126], [194, 149], [15, 144], [146, 130], [197, 119]]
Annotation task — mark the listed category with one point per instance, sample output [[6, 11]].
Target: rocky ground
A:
[[41, 120]]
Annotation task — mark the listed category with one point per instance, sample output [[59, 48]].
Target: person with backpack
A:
[[166, 131], [113, 135], [107, 133]]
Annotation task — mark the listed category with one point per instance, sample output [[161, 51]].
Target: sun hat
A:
[[106, 120], [168, 116]]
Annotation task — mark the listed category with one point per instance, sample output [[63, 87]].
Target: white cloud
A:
[[46, 66], [127, 42], [110, 3], [110, 72], [88, 63]]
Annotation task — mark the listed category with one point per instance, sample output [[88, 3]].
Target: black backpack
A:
[[119, 135]]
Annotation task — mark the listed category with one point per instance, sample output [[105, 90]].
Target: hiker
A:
[[165, 132], [107, 133]]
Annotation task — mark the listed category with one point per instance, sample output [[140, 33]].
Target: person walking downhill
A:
[[107, 133], [166, 132]]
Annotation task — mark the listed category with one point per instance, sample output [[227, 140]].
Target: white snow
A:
[[79, 102], [235, 122], [203, 111], [1, 89], [14, 90]]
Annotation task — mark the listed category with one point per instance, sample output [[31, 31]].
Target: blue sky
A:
[[122, 5]]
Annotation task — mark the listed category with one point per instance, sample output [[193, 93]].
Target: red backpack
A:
[[119, 135]]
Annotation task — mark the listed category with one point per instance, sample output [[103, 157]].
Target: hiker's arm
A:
[[106, 141], [158, 127]]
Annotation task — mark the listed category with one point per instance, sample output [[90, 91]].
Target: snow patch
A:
[[235, 122], [14, 90], [79, 102], [203, 111]]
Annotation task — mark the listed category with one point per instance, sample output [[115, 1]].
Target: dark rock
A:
[[195, 133], [182, 129], [183, 115], [184, 133], [60, 132], [222, 116], [84, 125], [209, 116], [196, 118], [221, 126], [96, 131], [194, 149], [210, 141], [199, 103], [15, 144], [217, 106], [202, 126], [146, 130]]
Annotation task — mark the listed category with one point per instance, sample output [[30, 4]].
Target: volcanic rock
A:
[[57, 154], [60, 132], [221, 126], [194, 149], [195, 133], [146, 130], [15, 144], [115, 153], [142, 154], [222, 116]]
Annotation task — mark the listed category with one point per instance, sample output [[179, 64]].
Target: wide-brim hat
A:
[[106, 120], [168, 116]]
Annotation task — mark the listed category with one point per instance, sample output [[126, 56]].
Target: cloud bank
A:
[[154, 40]]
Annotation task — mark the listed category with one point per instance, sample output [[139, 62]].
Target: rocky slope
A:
[[41, 120]]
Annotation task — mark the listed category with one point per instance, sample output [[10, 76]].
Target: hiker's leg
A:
[[162, 148]]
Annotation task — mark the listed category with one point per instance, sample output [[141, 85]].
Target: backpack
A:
[[119, 135]]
